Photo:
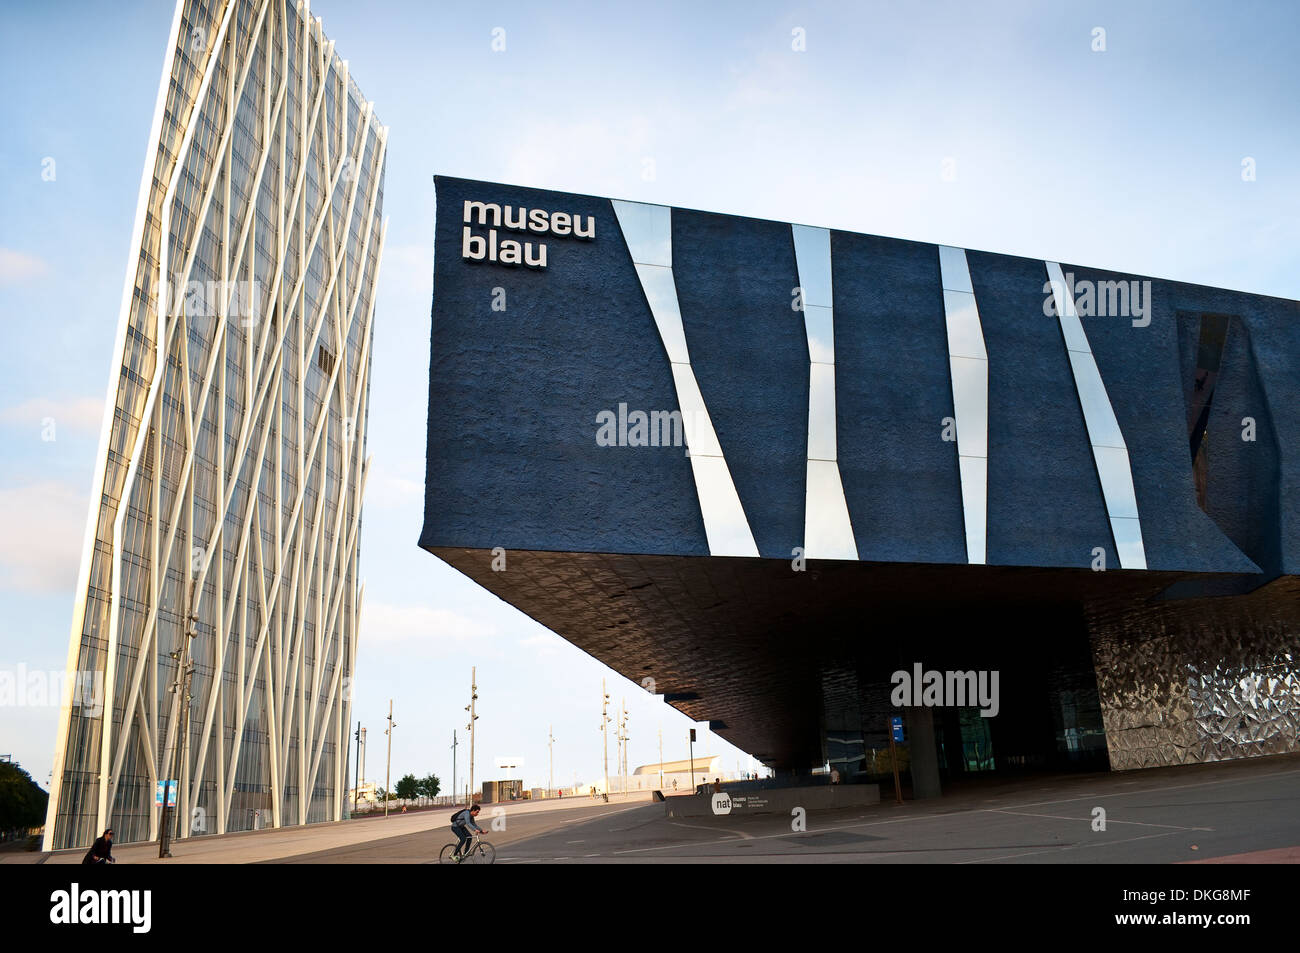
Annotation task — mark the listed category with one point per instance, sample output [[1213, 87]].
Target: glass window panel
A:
[[1116, 481], [820, 326], [953, 269], [1128, 543], [700, 437], [1103, 428], [965, 337], [974, 503], [812, 254], [661, 293], [725, 524], [1072, 328], [1075, 339], [828, 532], [970, 396], [648, 231], [821, 412]]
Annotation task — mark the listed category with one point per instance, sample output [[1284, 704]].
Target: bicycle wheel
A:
[[482, 853], [446, 857]]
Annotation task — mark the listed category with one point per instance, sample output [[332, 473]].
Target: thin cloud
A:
[[543, 643], [79, 414], [40, 549], [590, 156], [407, 270], [424, 631], [389, 490], [17, 267]]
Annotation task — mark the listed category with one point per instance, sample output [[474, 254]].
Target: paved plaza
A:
[[1242, 811]]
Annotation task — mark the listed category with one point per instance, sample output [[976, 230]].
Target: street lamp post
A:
[[661, 757], [623, 739], [604, 732], [618, 748], [692, 758], [473, 717], [356, 788], [454, 743], [388, 771], [181, 688]]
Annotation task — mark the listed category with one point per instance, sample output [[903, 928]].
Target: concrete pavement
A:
[[416, 831], [1232, 812], [1168, 815]]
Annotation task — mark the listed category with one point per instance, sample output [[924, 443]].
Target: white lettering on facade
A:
[[498, 248]]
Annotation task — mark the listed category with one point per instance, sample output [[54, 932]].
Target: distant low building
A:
[[365, 795], [677, 775]]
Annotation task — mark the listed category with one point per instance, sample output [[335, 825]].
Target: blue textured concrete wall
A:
[[513, 396], [750, 357], [1242, 484], [1254, 486], [893, 392], [1274, 326], [1141, 368], [1045, 502], [513, 458]]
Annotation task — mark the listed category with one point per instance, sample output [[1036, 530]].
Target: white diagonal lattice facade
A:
[[229, 482]]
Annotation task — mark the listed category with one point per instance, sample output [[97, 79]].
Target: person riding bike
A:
[[462, 824]]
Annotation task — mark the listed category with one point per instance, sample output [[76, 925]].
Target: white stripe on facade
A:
[[828, 531], [1109, 451], [647, 230], [968, 366]]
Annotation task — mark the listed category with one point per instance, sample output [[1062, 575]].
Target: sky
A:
[[1158, 138]]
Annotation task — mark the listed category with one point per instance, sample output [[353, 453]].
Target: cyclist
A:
[[462, 824]]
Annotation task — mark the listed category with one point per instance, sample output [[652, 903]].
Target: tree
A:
[[22, 802], [429, 787], [408, 787]]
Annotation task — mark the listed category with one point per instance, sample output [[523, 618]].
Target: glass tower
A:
[[222, 543]]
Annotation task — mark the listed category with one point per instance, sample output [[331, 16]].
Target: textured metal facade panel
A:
[[1229, 688]]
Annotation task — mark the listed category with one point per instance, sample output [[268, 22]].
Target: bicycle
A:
[[479, 851]]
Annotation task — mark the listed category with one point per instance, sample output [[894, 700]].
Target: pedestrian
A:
[[101, 852]]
